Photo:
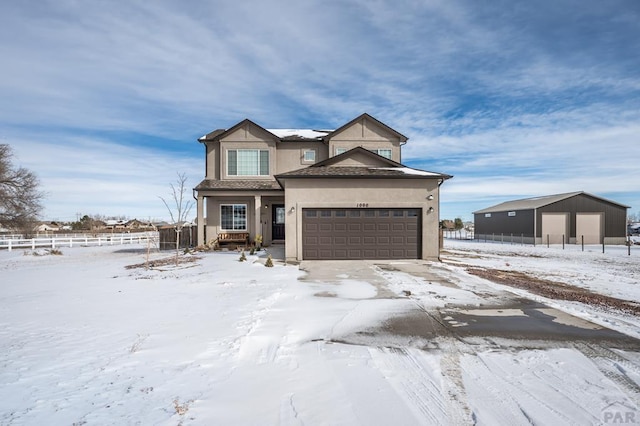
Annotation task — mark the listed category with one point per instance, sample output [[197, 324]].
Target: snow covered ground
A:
[[83, 340], [613, 273]]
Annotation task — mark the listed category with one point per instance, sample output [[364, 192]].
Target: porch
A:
[[233, 213]]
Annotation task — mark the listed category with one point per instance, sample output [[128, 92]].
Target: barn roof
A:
[[537, 202]]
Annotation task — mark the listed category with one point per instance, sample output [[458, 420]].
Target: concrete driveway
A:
[[497, 314]]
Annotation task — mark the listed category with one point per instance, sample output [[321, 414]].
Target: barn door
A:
[[555, 227], [589, 226]]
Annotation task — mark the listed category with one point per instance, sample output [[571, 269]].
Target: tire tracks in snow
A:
[[614, 366], [408, 375], [452, 347]]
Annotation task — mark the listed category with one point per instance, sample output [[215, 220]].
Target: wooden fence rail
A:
[[83, 241]]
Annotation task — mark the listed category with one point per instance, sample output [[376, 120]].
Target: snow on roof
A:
[[410, 171], [302, 133]]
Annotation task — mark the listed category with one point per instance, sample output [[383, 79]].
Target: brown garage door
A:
[[361, 234]]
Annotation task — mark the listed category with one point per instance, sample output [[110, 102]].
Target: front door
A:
[[277, 230]]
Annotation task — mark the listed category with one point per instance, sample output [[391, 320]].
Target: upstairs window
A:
[[340, 151], [386, 153], [248, 162], [309, 156]]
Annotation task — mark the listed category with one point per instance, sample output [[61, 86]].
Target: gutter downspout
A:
[[199, 218]]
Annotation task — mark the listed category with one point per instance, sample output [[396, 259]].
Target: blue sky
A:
[[104, 100]]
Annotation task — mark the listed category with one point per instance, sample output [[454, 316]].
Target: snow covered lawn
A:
[[613, 273], [83, 340]]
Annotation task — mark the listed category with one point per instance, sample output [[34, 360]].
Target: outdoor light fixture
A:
[[292, 209], [430, 209], [430, 197]]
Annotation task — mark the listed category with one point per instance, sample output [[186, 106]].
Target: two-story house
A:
[[325, 194]]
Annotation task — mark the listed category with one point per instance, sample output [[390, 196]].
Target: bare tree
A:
[[179, 207], [20, 197]]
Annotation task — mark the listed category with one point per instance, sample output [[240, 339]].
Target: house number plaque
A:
[[362, 205]]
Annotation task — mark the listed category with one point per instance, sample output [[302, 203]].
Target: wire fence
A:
[[631, 243]]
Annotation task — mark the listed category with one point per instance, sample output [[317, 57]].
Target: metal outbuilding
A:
[[572, 218]]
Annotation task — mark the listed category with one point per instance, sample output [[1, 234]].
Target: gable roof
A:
[[353, 151], [285, 135], [537, 202], [218, 134], [380, 167], [366, 116]]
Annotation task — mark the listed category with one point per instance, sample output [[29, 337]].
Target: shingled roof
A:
[[295, 135], [239, 185], [386, 168], [361, 171]]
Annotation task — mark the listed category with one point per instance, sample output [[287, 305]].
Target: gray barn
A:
[[569, 217]]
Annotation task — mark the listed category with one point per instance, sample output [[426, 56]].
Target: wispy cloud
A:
[[88, 175], [514, 98]]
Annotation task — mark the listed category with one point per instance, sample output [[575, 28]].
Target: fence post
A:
[[547, 240], [53, 243], [511, 238], [33, 244], [562, 241], [70, 242], [582, 238], [10, 248], [522, 238], [603, 245]]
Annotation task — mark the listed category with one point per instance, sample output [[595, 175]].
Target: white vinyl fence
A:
[[78, 241]]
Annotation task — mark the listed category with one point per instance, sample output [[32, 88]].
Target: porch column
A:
[[258, 216], [200, 220]]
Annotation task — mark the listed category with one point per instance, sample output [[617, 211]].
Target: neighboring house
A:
[[137, 225], [47, 227], [571, 218], [339, 194], [115, 224]]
